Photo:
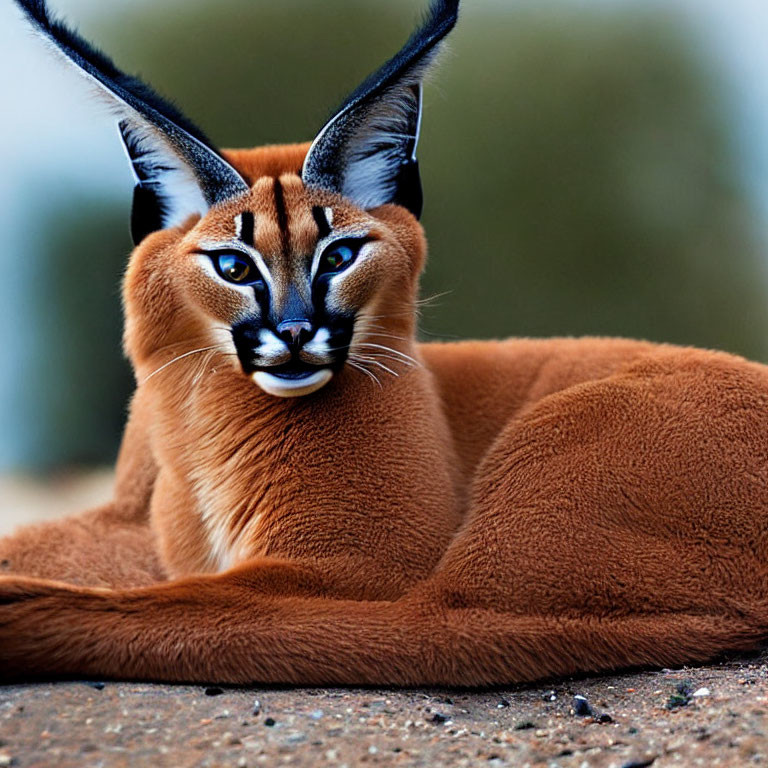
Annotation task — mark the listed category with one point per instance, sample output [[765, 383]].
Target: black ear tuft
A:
[[367, 150], [178, 171]]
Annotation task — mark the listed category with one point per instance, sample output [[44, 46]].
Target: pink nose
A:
[[295, 333]]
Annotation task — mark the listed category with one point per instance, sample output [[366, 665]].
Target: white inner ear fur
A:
[[375, 152], [176, 185]]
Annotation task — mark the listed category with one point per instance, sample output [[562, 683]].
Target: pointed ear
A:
[[178, 172], [367, 150]]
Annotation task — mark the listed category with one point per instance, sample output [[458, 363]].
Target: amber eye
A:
[[236, 268]]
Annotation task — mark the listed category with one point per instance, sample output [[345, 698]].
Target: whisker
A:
[[390, 349], [439, 335], [201, 370], [381, 365], [365, 371], [388, 336], [384, 356], [193, 339], [365, 325], [182, 343], [430, 300], [176, 359]]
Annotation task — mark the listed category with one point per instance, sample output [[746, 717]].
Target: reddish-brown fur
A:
[[508, 511]]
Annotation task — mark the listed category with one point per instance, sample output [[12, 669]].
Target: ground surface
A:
[[710, 716], [76, 724]]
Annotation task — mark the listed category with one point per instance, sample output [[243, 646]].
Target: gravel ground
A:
[[709, 716], [712, 716]]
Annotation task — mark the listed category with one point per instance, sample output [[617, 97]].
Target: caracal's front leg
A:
[[261, 621], [111, 546], [96, 548]]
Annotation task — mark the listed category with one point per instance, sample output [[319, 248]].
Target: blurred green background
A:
[[581, 169]]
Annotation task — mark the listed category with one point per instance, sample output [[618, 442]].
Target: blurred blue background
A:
[[590, 167]]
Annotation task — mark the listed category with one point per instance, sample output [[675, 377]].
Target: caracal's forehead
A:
[[282, 220]]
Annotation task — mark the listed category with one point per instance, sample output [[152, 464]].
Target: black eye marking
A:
[[324, 228], [340, 254], [247, 228], [236, 267]]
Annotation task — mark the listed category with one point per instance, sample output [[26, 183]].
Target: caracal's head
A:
[[292, 281], [295, 261]]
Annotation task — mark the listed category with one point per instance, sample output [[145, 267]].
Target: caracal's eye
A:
[[339, 255], [236, 267]]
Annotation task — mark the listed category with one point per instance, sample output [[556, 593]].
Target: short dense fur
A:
[[496, 512]]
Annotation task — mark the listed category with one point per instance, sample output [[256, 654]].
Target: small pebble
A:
[[702, 692], [5, 760], [213, 690], [438, 718], [550, 696], [256, 707], [269, 722], [525, 725], [681, 697], [676, 701], [97, 686], [503, 703], [317, 714], [581, 706], [639, 763], [605, 718]]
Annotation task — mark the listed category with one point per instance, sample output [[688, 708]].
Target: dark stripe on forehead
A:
[[246, 228], [324, 228], [282, 218]]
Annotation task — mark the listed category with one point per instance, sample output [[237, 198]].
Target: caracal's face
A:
[[300, 282]]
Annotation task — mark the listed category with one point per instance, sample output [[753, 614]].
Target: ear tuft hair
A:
[[178, 171], [367, 150]]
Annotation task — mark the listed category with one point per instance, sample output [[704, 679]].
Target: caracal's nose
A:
[[295, 333]]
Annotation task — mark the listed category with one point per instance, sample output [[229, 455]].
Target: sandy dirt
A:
[[710, 716]]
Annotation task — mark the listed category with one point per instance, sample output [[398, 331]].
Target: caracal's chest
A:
[[244, 475]]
